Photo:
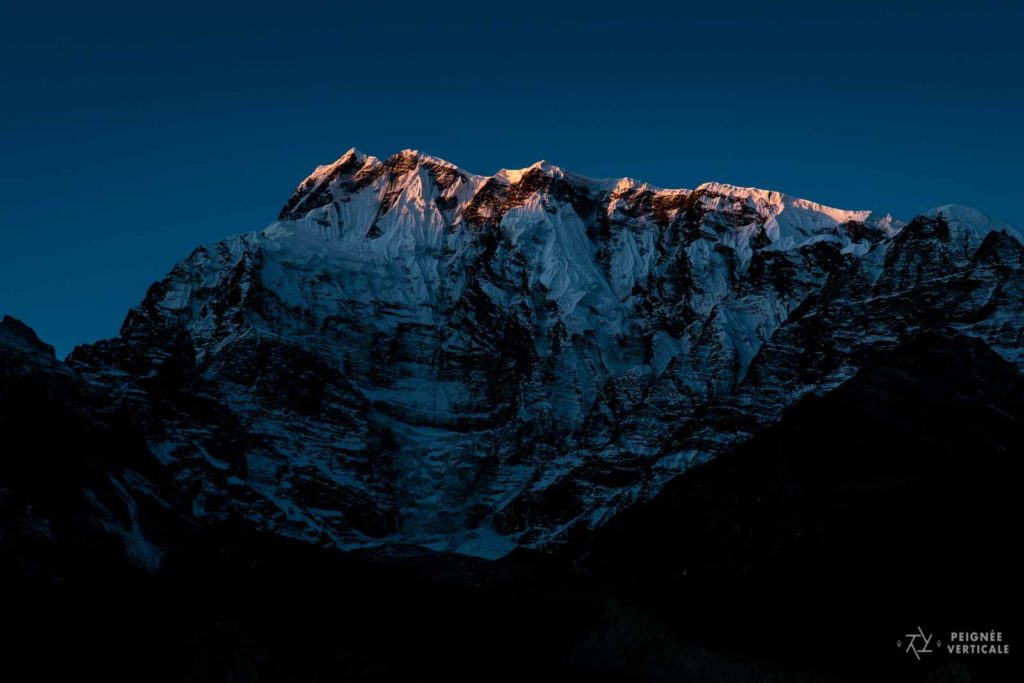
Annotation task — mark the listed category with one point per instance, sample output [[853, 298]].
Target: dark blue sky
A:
[[132, 132]]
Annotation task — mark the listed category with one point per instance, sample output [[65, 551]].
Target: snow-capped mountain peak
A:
[[353, 157], [971, 222], [414, 353]]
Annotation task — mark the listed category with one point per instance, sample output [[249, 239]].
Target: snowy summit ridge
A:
[[415, 354]]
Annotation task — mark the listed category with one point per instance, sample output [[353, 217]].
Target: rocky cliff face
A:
[[415, 354], [79, 491]]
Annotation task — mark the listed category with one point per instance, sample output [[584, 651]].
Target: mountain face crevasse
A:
[[415, 354]]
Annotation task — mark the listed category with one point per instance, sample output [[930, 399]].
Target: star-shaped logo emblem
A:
[[918, 643]]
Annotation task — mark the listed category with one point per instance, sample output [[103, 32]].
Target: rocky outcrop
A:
[[80, 492]]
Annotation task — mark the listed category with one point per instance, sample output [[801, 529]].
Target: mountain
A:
[[414, 355], [80, 493], [803, 554], [882, 505]]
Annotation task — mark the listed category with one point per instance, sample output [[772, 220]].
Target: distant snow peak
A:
[[515, 176], [973, 223], [350, 158], [411, 159], [781, 201], [725, 189]]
